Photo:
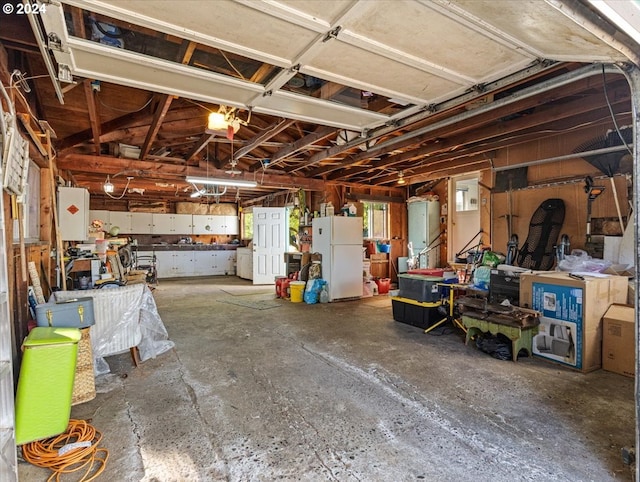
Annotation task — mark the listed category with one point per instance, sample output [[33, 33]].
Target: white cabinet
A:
[[230, 225], [226, 262], [205, 263], [132, 223], [244, 261], [164, 264], [141, 223], [182, 263], [172, 224], [73, 213], [203, 224], [121, 220], [174, 264], [101, 215], [211, 263], [162, 224], [210, 224]]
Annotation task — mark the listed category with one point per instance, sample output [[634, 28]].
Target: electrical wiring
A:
[[71, 451], [126, 111], [613, 117]]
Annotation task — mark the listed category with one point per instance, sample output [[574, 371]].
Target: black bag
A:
[[498, 346]]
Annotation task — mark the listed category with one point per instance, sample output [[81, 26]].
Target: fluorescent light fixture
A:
[[221, 182]]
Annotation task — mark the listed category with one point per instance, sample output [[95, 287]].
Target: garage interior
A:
[[342, 103]]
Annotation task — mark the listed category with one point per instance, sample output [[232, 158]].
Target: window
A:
[[467, 195], [376, 220], [31, 207]]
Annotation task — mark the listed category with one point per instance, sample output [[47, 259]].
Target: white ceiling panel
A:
[[422, 51], [413, 29], [542, 27], [220, 23], [379, 74], [319, 11]]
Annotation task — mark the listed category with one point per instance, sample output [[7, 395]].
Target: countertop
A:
[[187, 247]]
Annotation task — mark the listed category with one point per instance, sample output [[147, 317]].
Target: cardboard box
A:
[[572, 309], [627, 270], [618, 340]]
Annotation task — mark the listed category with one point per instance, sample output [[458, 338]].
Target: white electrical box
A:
[[73, 213]]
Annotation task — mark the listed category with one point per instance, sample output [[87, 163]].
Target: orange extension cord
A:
[[46, 453]]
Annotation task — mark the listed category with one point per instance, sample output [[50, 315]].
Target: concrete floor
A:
[[341, 392]]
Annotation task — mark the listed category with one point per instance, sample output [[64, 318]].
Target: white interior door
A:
[[464, 209], [269, 244]]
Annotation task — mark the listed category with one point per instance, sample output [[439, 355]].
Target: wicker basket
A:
[[84, 384]]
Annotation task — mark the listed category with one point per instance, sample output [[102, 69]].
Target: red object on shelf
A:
[[371, 248], [439, 272], [383, 285]]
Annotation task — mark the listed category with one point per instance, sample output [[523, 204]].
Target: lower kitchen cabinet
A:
[[209, 263], [184, 263], [174, 264], [227, 262]]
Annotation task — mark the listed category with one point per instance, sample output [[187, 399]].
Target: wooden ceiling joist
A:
[[94, 116]]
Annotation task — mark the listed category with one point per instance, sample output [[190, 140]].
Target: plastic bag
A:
[[312, 290], [580, 261], [481, 277], [491, 259], [497, 346]]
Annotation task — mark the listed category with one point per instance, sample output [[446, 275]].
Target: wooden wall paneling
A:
[[442, 191], [398, 229], [526, 201], [20, 302], [485, 180], [12, 273], [46, 206]]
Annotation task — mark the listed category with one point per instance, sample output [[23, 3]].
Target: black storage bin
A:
[[504, 285], [420, 316], [419, 287]]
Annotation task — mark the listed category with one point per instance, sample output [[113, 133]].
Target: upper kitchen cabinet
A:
[[101, 215], [132, 223], [211, 224], [172, 224]]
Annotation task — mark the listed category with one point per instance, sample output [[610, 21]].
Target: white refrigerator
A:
[[339, 240]]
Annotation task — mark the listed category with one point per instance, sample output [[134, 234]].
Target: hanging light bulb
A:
[[108, 186], [401, 179]]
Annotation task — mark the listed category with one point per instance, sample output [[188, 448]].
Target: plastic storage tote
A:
[[45, 385], [420, 288]]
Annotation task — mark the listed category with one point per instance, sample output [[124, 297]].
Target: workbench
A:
[[521, 336], [517, 324]]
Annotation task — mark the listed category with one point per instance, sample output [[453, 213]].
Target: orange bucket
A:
[[383, 285]]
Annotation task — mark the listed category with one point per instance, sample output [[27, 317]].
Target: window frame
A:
[[368, 221]]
